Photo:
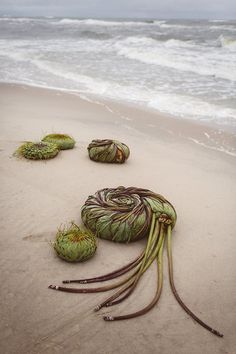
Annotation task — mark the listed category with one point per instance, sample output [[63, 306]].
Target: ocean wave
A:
[[177, 43], [175, 25], [217, 21], [93, 22], [151, 41], [178, 105], [20, 19], [95, 35], [75, 21], [186, 56], [88, 43], [186, 106], [179, 55], [159, 22], [15, 56], [224, 28], [138, 41], [92, 85], [227, 42], [182, 106]]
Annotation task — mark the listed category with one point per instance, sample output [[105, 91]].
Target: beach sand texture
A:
[[38, 196]]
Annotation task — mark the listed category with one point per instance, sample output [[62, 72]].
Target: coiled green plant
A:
[[74, 244], [37, 151], [123, 215], [63, 141], [110, 151]]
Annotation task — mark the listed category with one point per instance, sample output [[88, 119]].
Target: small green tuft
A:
[[63, 141], [37, 151], [74, 244]]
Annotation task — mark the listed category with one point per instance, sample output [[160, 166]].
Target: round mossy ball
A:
[[38, 151], [106, 150], [74, 245], [63, 141]]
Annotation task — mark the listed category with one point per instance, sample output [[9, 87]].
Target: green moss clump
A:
[[73, 244], [63, 141], [37, 151]]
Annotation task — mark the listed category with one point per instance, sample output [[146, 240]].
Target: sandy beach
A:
[[168, 156]]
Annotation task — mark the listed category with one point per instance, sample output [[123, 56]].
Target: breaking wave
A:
[[93, 22], [227, 42], [181, 55]]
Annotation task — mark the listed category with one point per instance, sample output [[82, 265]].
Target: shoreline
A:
[[203, 134], [36, 197]]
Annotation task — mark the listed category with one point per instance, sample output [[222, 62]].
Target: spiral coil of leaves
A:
[[124, 214], [111, 151], [128, 214]]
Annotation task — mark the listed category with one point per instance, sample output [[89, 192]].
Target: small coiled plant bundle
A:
[[37, 151], [63, 141], [111, 151], [128, 214], [74, 244]]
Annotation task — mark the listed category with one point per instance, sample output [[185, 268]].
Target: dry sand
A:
[[36, 197]]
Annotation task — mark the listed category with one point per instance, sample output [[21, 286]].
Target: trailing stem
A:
[[149, 261], [155, 299], [108, 276], [93, 290], [171, 277], [130, 286]]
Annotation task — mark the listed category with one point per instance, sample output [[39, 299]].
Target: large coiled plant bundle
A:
[[106, 150], [128, 214]]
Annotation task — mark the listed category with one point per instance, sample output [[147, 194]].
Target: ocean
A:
[[184, 68]]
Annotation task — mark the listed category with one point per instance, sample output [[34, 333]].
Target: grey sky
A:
[[121, 8]]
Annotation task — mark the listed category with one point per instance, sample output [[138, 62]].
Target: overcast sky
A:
[[121, 8]]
